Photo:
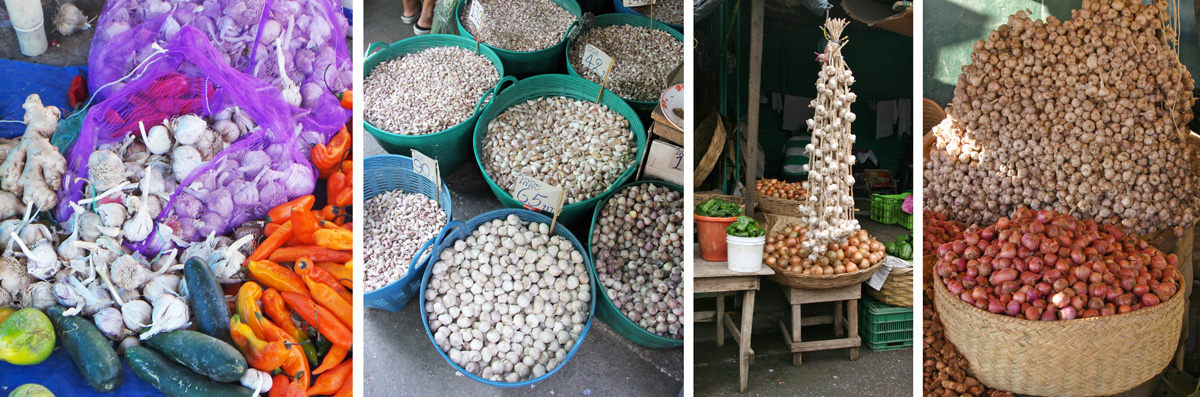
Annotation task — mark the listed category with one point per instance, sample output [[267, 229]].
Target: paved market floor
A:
[[400, 359]]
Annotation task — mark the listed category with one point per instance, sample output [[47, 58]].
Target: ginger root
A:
[[33, 169]]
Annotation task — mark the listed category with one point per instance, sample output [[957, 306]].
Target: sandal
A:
[[409, 20], [419, 31]]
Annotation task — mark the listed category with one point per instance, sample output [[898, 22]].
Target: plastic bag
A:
[[443, 17], [248, 35], [255, 172]]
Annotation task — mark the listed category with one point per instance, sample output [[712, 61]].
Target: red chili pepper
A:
[[78, 93], [330, 155]]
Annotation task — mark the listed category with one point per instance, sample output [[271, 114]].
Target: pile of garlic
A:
[[829, 211]]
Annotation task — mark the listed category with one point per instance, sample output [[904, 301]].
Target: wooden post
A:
[[755, 85]]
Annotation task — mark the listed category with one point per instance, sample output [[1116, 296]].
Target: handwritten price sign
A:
[[664, 161], [638, 3], [536, 194], [476, 14], [595, 60], [426, 167]]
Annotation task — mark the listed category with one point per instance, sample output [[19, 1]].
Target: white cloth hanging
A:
[[904, 116], [885, 119]]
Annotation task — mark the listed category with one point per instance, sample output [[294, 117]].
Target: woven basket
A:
[[799, 280], [1096, 356], [778, 206], [715, 144], [930, 261], [931, 115], [897, 290]]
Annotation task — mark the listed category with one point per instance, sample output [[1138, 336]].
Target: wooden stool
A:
[[843, 322], [715, 277]]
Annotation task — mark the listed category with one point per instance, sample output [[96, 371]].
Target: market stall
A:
[[1094, 239], [810, 208], [184, 223], [524, 204]]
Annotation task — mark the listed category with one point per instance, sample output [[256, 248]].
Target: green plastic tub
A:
[[558, 85], [451, 147], [884, 327], [642, 107], [885, 208], [532, 63], [606, 311]]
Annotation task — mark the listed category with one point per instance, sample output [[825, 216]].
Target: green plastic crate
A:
[[884, 327], [885, 208], [906, 220]]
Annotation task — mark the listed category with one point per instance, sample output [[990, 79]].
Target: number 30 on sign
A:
[[536, 194]]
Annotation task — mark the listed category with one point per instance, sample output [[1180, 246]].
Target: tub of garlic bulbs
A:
[[642, 57], [506, 300], [550, 128], [425, 93], [528, 35]]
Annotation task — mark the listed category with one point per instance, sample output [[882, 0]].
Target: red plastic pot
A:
[[712, 237]]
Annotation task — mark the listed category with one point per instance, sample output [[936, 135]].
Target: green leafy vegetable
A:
[[745, 227], [718, 208]]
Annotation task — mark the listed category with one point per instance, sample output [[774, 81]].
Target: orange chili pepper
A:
[[305, 224], [330, 155], [283, 212], [260, 354], [346, 98], [271, 228], [316, 253], [296, 366], [335, 185], [279, 386], [332, 380], [347, 390], [338, 270], [295, 390], [334, 239], [336, 355], [305, 268], [329, 214], [271, 243], [277, 311], [327, 298], [247, 307], [348, 226], [274, 275], [327, 324], [346, 197]]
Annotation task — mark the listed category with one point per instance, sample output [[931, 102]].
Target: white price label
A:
[[476, 13], [426, 167], [638, 3], [595, 60], [536, 194], [664, 161]]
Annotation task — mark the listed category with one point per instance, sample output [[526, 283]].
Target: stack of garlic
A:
[[829, 211]]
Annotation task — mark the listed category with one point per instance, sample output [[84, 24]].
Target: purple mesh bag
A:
[[259, 170], [311, 36]]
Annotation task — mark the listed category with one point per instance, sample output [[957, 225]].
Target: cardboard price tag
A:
[[664, 161], [476, 13], [536, 194], [426, 167], [638, 3], [596, 60]]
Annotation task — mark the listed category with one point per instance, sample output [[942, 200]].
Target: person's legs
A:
[[426, 20], [411, 9]]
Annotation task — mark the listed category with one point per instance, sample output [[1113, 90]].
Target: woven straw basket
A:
[[798, 280], [897, 290], [931, 115], [710, 135], [1096, 356]]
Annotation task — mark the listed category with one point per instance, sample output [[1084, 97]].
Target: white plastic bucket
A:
[[745, 253]]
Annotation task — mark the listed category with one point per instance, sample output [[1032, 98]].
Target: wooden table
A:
[[843, 323], [715, 277]]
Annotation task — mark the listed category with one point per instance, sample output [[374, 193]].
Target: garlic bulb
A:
[[158, 139], [136, 314], [189, 128], [170, 313]]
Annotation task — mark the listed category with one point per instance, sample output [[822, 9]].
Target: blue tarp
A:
[[59, 375], [24, 78]]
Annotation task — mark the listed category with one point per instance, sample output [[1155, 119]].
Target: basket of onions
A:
[[780, 197], [842, 264], [938, 230], [1046, 304]]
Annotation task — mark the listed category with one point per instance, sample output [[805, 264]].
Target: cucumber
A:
[[173, 379], [92, 353], [204, 354], [209, 309]]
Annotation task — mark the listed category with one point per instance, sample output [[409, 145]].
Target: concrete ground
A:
[[401, 360], [823, 373], [64, 50]]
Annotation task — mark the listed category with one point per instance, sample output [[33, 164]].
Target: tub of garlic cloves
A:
[[642, 57], [506, 300]]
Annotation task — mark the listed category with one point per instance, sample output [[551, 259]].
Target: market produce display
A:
[[641, 59], [939, 230], [427, 91], [396, 224], [944, 372], [782, 189], [580, 146], [829, 211], [1042, 265], [508, 302], [523, 26], [1086, 116], [718, 208], [901, 248], [745, 226], [669, 11], [785, 250], [638, 253]]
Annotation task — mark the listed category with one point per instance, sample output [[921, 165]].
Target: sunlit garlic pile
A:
[[510, 301], [427, 91], [397, 223], [830, 206], [580, 146], [1086, 116], [642, 58], [521, 26]]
